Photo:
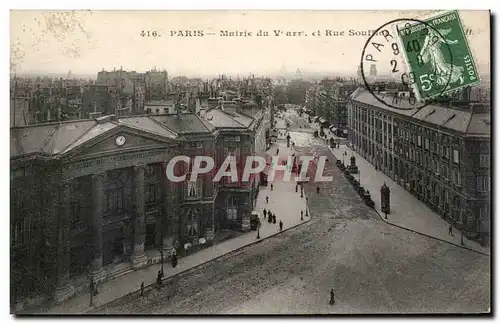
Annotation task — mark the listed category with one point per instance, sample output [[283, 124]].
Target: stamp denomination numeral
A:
[[413, 46], [426, 82]]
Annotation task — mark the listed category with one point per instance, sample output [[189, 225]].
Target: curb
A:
[[429, 236], [177, 275], [426, 235]]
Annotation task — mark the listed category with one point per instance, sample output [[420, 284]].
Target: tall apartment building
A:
[[440, 154]]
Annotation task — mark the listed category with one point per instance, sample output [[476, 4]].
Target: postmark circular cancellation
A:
[[410, 50]]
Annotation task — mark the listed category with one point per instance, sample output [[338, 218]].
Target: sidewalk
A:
[[406, 210], [283, 201]]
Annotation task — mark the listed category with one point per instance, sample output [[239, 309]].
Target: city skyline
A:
[[86, 42]]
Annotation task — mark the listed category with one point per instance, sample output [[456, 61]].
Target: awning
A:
[[345, 131]]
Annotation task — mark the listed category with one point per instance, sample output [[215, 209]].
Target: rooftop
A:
[[460, 120], [59, 138]]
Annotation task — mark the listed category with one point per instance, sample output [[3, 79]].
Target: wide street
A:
[[373, 267]]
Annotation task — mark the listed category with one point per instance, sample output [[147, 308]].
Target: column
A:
[[139, 258], [167, 243], [96, 271], [64, 289]]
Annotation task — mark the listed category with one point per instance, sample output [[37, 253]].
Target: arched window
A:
[[232, 208], [192, 222]]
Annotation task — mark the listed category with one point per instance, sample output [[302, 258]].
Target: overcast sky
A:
[[85, 42]]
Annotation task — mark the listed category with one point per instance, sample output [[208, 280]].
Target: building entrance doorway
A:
[[150, 236]]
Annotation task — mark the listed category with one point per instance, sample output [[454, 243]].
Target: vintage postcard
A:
[[250, 162]]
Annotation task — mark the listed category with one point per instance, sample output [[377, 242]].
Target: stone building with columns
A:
[[90, 198]]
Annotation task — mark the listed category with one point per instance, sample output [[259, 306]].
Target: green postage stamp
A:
[[438, 56]]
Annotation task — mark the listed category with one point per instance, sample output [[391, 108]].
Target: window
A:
[[483, 213], [17, 198], [484, 160], [455, 156], [483, 184], [75, 212], [20, 231], [113, 200], [17, 173], [426, 143], [419, 140], [444, 172], [150, 171], [193, 188], [232, 208], [234, 152], [152, 193], [192, 222]]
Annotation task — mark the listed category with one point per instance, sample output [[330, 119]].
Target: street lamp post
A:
[[161, 253], [307, 214], [258, 230], [386, 214]]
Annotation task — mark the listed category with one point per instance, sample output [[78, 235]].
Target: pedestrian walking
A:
[[296, 188], [332, 297], [158, 280], [93, 292], [317, 189], [142, 289], [278, 151], [274, 218], [174, 259], [264, 212], [267, 199], [450, 230], [301, 215], [281, 226], [272, 187]]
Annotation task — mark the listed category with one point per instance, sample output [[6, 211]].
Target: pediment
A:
[[121, 139]]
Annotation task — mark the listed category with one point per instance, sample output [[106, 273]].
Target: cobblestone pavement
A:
[[373, 267]]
